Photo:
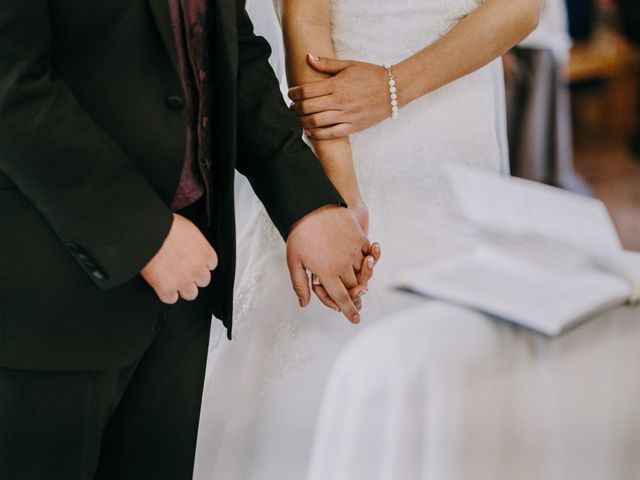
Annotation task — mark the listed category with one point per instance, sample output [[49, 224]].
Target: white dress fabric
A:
[[442, 393], [264, 389]]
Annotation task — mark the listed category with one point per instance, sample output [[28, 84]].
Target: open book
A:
[[539, 256]]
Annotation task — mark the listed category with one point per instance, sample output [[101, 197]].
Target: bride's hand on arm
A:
[[357, 96], [306, 24]]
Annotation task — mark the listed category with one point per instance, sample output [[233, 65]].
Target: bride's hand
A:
[[356, 97]]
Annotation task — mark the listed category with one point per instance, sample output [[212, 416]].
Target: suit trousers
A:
[[139, 422]]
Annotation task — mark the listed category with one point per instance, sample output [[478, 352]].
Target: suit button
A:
[[99, 275], [84, 257], [175, 102]]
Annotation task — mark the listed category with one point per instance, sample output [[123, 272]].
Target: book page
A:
[[535, 295], [538, 214]]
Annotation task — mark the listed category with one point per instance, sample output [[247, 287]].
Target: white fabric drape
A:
[[443, 393]]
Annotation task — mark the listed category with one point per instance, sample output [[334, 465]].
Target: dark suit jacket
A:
[[91, 148]]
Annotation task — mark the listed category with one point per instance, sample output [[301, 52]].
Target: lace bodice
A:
[[381, 31]]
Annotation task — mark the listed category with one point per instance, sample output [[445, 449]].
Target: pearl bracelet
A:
[[392, 91]]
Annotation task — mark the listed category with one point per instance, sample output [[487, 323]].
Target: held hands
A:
[[330, 243], [355, 98], [182, 265], [363, 277]]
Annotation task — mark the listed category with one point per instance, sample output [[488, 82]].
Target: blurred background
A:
[[573, 95]]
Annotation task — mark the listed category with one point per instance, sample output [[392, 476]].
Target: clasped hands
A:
[[328, 242], [331, 243]]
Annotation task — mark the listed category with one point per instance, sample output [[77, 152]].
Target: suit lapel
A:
[[162, 18]]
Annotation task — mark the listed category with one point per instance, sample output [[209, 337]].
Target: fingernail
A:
[[301, 301], [377, 249], [337, 309], [363, 293], [356, 319], [371, 262], [313, 57]]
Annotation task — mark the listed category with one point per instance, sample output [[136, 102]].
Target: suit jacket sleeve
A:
[[282, 169], [82, 183]]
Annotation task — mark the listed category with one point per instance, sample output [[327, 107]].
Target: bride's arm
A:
[[357, 97], [306, 26]]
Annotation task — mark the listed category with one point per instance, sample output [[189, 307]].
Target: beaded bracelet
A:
[[392, 91]]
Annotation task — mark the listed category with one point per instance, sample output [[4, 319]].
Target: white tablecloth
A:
[[439, 392]]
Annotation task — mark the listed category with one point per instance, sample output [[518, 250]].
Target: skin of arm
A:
[[306, 26], [356, 97]]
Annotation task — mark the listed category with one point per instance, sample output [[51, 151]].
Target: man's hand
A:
[[183, 263], [330, 243]]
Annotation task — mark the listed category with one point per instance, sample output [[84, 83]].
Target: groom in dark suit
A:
[[121, 124]]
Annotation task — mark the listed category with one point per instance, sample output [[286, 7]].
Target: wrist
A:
[[354, 200], [409, 85], [318, 211]]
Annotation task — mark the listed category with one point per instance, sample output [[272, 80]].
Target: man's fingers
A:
[[349, 278], [203, 278], [358, 303], [300, 282], [311, 90], [330, 133], [356, 293], [324, 297], [189, 292], [168, 297], [212, 259], [339, 294]]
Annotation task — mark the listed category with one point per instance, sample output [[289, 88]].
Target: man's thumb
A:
[[327, 65]]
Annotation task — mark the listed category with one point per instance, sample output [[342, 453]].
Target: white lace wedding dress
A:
[[264, 388]]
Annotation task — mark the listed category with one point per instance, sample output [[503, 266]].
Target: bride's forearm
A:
[[336, 159], [479, 38], [306, 26]]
